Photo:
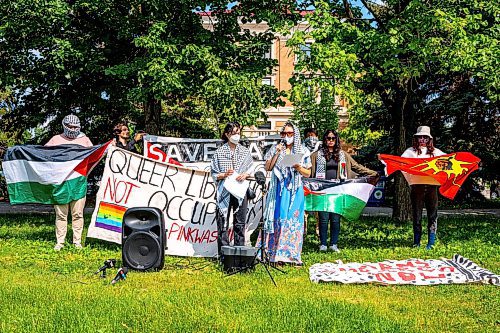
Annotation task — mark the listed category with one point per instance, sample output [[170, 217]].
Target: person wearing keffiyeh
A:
[[284, 211], [230, 158], [331, 162]]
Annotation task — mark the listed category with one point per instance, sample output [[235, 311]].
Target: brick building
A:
[[279, 77]]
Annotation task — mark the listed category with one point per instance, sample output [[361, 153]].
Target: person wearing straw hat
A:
[[424, 189]]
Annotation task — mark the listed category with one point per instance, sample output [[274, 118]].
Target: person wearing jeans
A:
[[334, 219], [332, 163], [424, 189]]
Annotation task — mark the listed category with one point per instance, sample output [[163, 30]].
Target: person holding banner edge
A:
[[284, 211], [331, 162], [424, 189], [228, 159], [121, 134], [71, 135]]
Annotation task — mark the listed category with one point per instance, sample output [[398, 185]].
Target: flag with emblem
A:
[[450, 170]]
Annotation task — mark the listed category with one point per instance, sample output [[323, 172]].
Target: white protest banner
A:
[[197, 153], [186, 197], [411, 271]]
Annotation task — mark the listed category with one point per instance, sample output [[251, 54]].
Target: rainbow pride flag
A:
[[110, 216]]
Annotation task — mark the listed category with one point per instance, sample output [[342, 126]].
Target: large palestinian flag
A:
[[347, 198], [449, 170], [49, 174]]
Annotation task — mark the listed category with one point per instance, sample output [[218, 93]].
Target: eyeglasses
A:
[[423, 137], [330, 138], [288, 134]]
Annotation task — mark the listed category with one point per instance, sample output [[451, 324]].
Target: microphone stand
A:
[[264, 257]]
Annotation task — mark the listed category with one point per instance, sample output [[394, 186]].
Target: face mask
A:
[[234, 138], [311, 142], [289, 140], [71, 133]]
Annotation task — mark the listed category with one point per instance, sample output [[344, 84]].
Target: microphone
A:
[[110, 263], [260, 178], [120, 275]]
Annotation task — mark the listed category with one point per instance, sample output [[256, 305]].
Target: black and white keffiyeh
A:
[[223, 160], [280, 173], [321, 164]]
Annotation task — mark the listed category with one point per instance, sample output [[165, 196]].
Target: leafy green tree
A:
[[147, 61], [383, 64]]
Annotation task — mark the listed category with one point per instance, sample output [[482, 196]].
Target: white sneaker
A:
[[323, 248], [58, 247], [78, 246], [334, 248]]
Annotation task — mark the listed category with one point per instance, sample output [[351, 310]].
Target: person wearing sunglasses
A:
[[423, 189], [332, 163], [230, 158], [284, 210]]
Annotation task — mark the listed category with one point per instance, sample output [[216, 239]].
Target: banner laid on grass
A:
[[449, 170], [347, 198], [49, 174], [411, 271], [186, 196]]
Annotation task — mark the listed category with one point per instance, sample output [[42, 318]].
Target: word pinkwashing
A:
[[410, 271]]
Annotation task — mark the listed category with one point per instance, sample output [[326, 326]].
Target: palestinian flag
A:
[[53, 175], [449, 170], [347, 198]]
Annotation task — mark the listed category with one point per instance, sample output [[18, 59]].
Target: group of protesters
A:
[[284, 203]]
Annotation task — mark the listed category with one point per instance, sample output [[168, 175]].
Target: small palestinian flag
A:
[[53, 175], [450, 170], [347, 198]]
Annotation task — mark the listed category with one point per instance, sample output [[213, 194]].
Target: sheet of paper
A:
[[291, 160], [236, 188]]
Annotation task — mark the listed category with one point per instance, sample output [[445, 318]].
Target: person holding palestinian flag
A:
[[71, 135], [424, 189], [335, 196], [55, 174]]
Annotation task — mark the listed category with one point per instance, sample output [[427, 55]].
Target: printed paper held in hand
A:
[[236, 188], [291, 160]]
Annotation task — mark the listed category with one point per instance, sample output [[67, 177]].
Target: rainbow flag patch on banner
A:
[[110, 216]]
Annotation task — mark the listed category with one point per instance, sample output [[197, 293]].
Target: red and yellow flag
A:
[[449, 170]]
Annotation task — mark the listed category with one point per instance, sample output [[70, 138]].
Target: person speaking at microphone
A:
[[284, 209], [228, 159]]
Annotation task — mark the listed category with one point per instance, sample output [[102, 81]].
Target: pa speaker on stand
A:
[[144, 238]]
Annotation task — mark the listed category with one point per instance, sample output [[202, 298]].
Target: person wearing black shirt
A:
[[122, 136], [332, 163]]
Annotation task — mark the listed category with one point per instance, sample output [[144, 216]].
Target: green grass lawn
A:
[[46, 291]]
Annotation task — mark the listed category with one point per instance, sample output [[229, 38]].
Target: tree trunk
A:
[[402, 204], [152, 116]]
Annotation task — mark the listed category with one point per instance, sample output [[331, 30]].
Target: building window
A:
[[266, 125], [268, 54], [304, 49], [267, 80]]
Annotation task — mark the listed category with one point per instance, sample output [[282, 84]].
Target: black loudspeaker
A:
[[144, 238]]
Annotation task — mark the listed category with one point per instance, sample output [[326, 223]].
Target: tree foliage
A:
[[385, 65], [149, 61]]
